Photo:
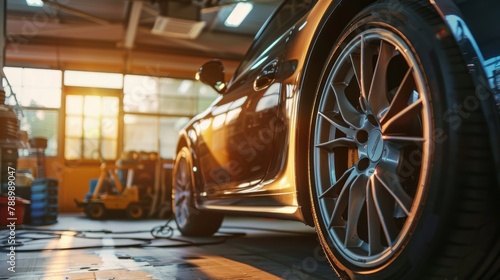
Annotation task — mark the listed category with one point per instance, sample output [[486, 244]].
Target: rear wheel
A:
[[135, 211], [190, 221], [397, 189]]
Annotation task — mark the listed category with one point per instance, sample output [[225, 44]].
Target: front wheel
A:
[[190, 220], [399, 190], [95, 210]]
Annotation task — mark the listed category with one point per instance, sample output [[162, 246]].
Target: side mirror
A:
[[212, 73]]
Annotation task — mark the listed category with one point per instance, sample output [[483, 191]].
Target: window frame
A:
[[27, 153], [199, 101], [195, 97], [91, 91]]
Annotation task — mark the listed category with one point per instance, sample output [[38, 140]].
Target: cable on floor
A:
[[28, 234]]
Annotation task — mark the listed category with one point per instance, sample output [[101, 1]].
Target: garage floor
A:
[[244, 248]]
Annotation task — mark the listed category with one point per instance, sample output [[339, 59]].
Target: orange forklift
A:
[[126, 186]]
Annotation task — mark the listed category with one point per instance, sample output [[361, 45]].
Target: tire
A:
[[190, 221], [135, 211], [402, 183], [95, 210]]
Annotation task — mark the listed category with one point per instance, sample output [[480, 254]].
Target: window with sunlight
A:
[[156, 109], [91, 127], [38, 92]]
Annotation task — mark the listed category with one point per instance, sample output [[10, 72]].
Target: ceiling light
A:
[[34, 3], [238, 15], [177, 28]]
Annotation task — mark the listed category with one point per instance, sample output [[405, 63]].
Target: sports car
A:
[[376, 122]]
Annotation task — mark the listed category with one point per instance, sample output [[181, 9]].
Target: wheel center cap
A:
[[375, 145]]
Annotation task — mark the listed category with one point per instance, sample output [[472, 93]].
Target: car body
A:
[[298, 115]]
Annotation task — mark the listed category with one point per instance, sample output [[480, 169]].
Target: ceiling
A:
[[116, 35]]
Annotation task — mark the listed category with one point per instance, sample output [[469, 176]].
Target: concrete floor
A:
[[244, 248]]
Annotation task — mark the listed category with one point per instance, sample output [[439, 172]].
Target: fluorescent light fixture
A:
[[34, 3], [177, 28], [238, 15]]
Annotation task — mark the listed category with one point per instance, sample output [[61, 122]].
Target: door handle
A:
[[266, 76]]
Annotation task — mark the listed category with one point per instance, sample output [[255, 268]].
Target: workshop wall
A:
[[73, 180]]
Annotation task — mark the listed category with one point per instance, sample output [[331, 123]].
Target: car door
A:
[[241, 130]]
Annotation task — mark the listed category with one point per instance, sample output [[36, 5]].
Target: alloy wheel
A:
[[371, 148], [182, 191]]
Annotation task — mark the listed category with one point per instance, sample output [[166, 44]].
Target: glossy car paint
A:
[[248, 148]]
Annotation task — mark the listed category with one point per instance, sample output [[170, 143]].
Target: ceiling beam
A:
[[133, 22], [181, 49], [110, 60], [76, 12], [150, 10]]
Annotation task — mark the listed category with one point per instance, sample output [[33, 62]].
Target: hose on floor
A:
[[29, 236]]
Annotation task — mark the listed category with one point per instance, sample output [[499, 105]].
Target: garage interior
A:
[[92, 82]]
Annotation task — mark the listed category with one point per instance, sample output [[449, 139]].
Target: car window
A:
[[289, 12]]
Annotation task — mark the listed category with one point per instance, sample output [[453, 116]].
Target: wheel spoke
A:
[[180, 197], [181, 178], [357, 197], [356, 66], [340, 204], [374, 245], [367, 53], [402, 96], [182, 186], [377, 97], [347, 111], [402, 120], [337, 143], [393, 186], [342, 201], [184, 213], [339, 124], [384, 214], [397, 138], [346, 178], [179, 182]]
